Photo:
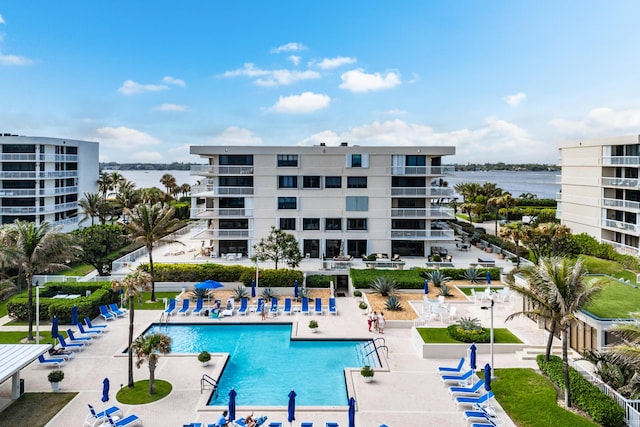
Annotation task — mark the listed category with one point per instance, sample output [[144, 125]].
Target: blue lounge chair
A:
[[118, 311], [259, 306], [74, 339], [287, 306], [90, 325], [171, 308], [244, 307], [306, 424], [487, 423], [317, 309], [470, 401], [444, 370], [474, 390], [94, 418], [332, 306], [274, 307], [128, 421], [275, 424], [305, 306], [106, 314], [194, 425], [198, 309], [94, 332], [331, 424], [57, 361], [460, 378], [241, 422], [480, 414], [70, 345], [185, 307]]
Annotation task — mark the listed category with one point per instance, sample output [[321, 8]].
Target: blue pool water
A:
[[265, 364]]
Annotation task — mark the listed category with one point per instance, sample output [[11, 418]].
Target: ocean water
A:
[[542, 184]]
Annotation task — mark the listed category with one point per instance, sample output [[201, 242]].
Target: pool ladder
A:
[[366, 351], [164, 318], [208, 383]]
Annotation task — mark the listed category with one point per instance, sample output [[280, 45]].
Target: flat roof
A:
[[15, 357]]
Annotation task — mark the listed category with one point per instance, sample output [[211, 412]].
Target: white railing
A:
[[620, 160], [422, 191], [442, 213], [423, 234], [216, 190], [631, 407], [207, 170], [38, 175], [422, 170], [618, 203], [622, 248], [621, 225], [620, 182], [218, 233]]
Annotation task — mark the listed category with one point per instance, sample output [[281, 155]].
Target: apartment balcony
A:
[[621, 182], [621, 226], [32, 210], [204, 213], [422, 170], [215, 233], [38, 175], [32, 157], [622, 248], [621, 204], [621, 161], [211, 190], [32, 192], [431, 213], [423, 234], [214, 170], [422, 191]]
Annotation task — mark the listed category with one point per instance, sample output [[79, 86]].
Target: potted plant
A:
[[501, 253], [357, 294], [367, 373], [363, 306], [313, 326], [55, 377], [204, 357]]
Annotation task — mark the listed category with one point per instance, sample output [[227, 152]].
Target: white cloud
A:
[[307, 102], [2, 21], [516, 99], [124, 137], [359, 81], [271, 77], [14, 60], [234, 135], [176, 82], [129, 87], [338, 61], [394, 112], [599, 122], [171, 107], [289, 47], [295, 59]]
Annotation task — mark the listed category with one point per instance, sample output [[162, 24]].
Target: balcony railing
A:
[[212, 234], [38, 175], [438, 213], [217, 212], [212, 190], [620, 160], [621, 226], [622, 248], [212, 170], [422, 191], [423, 234], [31, 210], [422, 170], [620, 182], [32, 192], [618, 203]]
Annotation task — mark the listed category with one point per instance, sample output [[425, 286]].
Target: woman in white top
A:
[[381, 323]]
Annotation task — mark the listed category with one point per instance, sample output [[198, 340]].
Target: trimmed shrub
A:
[[458, 333]]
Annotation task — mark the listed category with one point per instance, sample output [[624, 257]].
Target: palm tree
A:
[[128, 196], [132, 286], [38, 249], [148, 224], [628, 352], [153, 195], [555, 232], [517, 233], [558, 290], [104, 183], [185, 189], [149, 348], [91, 206], [116, 180], [169, 181], [469, 191]]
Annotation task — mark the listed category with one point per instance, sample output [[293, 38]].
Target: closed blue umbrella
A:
[[54, 328], [209, 284], [253, 289], [232, 405], [292, 407], [488, 278], [352, 412], [472, 357], [105, 390], [74, 315], [295, 288], [426, 286], [487, 377]]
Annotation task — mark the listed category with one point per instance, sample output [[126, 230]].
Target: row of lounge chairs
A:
[[112, 311], [305, 308], [106, 418], [72, 343], [259, 422], [469, 393]]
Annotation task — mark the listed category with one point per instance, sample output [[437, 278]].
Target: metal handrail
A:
[[207, 381]]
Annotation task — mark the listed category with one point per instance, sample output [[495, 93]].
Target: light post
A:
[[491, 338], [37, 312]]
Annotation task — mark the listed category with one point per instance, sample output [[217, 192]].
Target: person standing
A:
[[381, 323], [370, 320], [374, 319]]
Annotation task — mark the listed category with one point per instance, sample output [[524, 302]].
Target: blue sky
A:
[[500, 80]]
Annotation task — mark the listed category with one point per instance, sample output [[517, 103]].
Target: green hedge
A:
[[281, 278], [411, 279], [319, 281], [478, 335], [198, 272], [602, 408]]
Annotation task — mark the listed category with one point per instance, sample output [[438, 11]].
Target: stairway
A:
[[531, 352]]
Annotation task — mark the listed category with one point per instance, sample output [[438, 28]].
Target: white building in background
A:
[[600, 190], [42, 179], [360, 200]]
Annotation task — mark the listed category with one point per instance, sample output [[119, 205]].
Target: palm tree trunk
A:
[[153, 280], [565, 368], [130, 349], [152, 372], [552, 334]]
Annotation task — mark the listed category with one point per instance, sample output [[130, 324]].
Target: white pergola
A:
[[14, 358]]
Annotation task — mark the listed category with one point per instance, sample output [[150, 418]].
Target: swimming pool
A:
[[265, 364]]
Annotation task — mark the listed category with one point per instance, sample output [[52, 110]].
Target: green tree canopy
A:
[[278, 246]]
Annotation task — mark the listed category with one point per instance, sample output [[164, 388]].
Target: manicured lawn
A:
[[3, 308], [159, 304], [35, 409], [14, 337], [479, 289], [77, 270], [611, 268], [440, 336], [615, 300], [530, 400], [139, 394]]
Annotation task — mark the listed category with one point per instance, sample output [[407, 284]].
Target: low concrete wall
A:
[[448, 351]]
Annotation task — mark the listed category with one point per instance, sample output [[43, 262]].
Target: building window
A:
[[356, 182], [357, 160], [236, 181], [288, 224], [232, 202], [333, 224], [357, 203], [287, 160], [287, 181], [311, 223], [333, 182], [359, 224], [310, 182], [229, 160], [415, 161], [287, 203]]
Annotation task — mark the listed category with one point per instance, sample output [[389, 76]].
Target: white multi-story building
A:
[[42, 179], [336, 200], [600, 190]]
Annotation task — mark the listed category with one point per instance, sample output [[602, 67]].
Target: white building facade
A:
[[336, 200], [42, 179], [600, 190]]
